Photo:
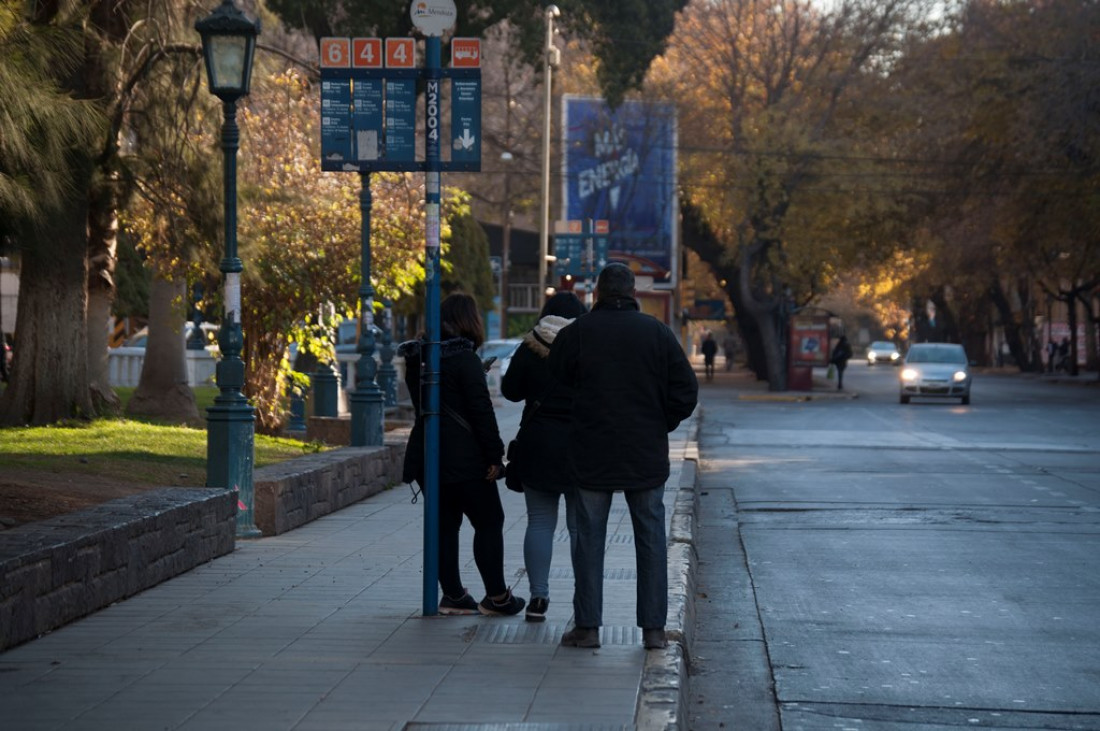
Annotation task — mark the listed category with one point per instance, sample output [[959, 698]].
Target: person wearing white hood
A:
[[539, 466]]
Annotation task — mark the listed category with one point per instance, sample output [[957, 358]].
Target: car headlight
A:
[[895, 356], [959, 376], [910, 374]]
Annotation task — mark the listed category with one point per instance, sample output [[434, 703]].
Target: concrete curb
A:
[[662, 696]]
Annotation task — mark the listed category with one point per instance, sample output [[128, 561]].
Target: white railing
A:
[[124, 370], [124, 367]]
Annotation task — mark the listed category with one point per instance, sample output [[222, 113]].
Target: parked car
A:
[[883, 351], [937, 370]]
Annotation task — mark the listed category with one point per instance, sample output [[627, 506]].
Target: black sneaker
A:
[[536, 610], [465, 604], [511, 605]]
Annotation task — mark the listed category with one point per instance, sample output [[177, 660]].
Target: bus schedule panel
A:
[[369, 120]]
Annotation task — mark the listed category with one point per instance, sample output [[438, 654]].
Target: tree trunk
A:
[[49, 379], [1071, 320], [102, 242], [747, 326], [763, 315], [1011, 328], [162, 392]]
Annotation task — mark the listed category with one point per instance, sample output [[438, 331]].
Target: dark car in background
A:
[[936, 370]]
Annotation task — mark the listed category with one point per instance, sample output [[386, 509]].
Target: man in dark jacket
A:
[[633, 384]]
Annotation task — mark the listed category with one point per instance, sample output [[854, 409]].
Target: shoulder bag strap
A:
[[457, 417]]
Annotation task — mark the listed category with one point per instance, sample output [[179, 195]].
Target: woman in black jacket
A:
[[547, 414], [470, 459], [841, 354]]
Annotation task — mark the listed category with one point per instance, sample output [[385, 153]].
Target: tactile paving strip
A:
[[516, 727], [530, 633]]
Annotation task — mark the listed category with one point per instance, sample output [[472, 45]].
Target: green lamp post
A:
[[228, 44]]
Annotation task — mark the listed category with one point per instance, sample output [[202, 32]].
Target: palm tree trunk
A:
[[49, 379]]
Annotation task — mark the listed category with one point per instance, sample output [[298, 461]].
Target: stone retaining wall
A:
[[292, 493], [58, 570]]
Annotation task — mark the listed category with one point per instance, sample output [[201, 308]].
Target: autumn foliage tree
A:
[[765, 93], [300, 235]]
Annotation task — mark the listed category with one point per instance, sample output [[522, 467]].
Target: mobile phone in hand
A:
[[488, 362]]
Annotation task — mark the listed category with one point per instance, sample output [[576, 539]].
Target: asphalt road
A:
[[868, 565]]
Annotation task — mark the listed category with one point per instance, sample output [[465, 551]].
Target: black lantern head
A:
[[228, 43]]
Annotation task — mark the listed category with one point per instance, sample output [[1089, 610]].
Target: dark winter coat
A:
[[464, 454], [545, 426], [634, 385], [842, 352]]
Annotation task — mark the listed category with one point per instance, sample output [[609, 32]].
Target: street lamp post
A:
[[228, 44], [553, 58], [367, 400]]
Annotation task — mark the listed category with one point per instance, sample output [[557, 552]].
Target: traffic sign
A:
[[580, 255]]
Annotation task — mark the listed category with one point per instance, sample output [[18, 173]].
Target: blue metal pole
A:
[[430, 374], [366, 400], [230, 421]]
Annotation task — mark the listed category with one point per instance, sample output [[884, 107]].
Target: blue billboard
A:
[[620, 165]]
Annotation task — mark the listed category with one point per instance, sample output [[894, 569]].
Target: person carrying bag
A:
[[470, 459], [537, 465]]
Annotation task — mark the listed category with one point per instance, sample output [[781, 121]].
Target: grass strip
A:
[[130, 450]]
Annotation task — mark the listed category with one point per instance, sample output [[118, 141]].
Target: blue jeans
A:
[[538, 542], [647, 513]]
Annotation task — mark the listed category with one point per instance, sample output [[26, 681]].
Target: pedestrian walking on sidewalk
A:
[[544, 428], [710, 350], [471, 458], [729, 350], [634, 385], [842, 353]]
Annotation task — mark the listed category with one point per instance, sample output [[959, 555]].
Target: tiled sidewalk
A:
[[320, 628]]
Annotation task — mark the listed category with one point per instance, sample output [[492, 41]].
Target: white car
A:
[[937, 370], [883, 351]]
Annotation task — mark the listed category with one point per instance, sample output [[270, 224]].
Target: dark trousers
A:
[[479, 501], [840, 374], [647, 514]]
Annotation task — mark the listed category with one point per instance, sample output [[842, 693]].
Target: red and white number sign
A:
[[366, 53], [400, 53], [335, 53]]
